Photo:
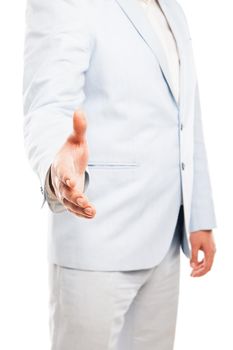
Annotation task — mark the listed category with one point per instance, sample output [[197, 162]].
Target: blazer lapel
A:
[[179, 35], [182, 36], [135, 14]]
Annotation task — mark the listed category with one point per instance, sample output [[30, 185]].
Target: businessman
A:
[[113, 129]]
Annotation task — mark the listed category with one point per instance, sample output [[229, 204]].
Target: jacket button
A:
[[41, 189], [183, 166], [181, 126]]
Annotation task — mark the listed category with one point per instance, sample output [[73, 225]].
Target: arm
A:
[[202, 218], [58, 47], [202, 207]]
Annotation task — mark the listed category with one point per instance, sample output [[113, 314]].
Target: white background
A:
[[205, 307]]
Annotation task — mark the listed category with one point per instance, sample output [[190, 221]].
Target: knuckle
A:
[[83, 197], [64, 200]]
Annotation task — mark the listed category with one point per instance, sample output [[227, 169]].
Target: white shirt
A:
[[163, 31]]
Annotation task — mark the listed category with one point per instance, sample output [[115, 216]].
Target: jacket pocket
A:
[[112, 165]]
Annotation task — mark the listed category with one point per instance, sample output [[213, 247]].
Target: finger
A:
[[199, 265], [200, 272], [79, 126], [74, 196], [209, 253], [209, 261], [206, 266], [66, 177], [78, 211], [82, 202], [194, 257], [69, 181], [80, 215]]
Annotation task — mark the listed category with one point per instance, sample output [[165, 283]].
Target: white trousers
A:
[[116, 310]]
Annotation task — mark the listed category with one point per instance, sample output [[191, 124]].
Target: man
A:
[[113, 129]]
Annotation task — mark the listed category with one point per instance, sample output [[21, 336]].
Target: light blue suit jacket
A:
[[146, 150]]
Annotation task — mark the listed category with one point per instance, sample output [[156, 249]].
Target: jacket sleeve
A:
[[202, 206], [57, 51]]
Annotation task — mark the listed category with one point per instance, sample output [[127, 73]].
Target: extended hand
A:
[[68, 170], [202, 240]]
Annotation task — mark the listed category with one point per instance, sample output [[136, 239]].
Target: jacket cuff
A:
[[202, 217], [54, 204]]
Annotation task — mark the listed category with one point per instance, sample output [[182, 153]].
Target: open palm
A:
[[68, 170]]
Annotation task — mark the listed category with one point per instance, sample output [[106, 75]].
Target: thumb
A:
[[194, 257], [79, 126]]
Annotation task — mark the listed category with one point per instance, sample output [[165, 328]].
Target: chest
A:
[[127, 57]]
